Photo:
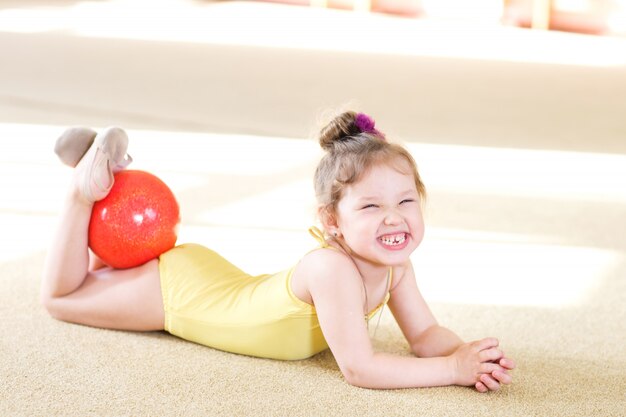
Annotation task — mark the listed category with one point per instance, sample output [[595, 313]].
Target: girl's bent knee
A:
[[51, 304]]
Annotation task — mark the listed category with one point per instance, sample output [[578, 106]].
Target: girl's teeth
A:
[[393, 240]]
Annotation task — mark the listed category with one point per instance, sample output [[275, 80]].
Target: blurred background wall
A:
[[262, 68]]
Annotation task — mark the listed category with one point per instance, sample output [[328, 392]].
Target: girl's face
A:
[[379, 217]]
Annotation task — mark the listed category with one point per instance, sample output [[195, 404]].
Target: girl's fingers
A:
[[489, 382], [490, 367], [507, 363], [486, 343], [480, 387], [502, 377], [490, 355]]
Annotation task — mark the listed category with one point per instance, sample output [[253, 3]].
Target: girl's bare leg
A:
[[127, 299]]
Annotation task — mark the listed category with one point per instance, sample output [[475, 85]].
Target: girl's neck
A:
[[371, 274]]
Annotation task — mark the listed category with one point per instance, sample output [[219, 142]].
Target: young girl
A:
[[369, 194]]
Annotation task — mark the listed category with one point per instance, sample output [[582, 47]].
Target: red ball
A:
[[136, 222]]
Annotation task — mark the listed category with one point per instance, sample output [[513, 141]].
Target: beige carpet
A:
[[571, 363], [520, 138]]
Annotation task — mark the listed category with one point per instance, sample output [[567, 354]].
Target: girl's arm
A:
[[336, 289], [425, 336], [428, 339]]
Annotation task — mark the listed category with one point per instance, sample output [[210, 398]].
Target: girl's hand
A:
[[493, 381], [481, 364]]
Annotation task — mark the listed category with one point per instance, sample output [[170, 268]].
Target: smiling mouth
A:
[[393, 240]]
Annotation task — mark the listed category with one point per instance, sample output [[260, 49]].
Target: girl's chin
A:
[[393, 258]]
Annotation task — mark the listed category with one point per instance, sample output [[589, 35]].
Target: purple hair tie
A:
[[366, 124]]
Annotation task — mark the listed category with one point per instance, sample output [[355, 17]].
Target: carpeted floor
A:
[[571, 363], [523, 154]]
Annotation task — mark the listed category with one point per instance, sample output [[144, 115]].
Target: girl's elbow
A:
[[357, 375], [359, 368], [352, 377]]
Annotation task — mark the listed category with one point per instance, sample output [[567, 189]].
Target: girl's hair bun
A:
[[347, 126], [339, 129]]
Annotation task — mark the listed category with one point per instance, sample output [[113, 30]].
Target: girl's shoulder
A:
[[327, 258], [318, 270]]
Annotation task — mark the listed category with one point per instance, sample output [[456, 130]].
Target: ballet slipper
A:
[[106, 156], [72, 145]]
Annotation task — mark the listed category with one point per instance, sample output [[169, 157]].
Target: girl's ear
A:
[[328, 219]]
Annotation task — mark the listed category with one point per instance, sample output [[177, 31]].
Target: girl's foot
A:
[[107, 155], [72, 145]]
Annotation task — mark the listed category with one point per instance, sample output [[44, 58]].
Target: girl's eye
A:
[[368, 206], [408, 200]]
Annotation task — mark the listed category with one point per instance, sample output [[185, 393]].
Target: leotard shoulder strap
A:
[[387, 296], [321, 239]]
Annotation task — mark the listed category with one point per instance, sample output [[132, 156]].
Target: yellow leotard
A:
[[210, 301]]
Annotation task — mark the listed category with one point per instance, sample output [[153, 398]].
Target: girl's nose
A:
[[392, 218]]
